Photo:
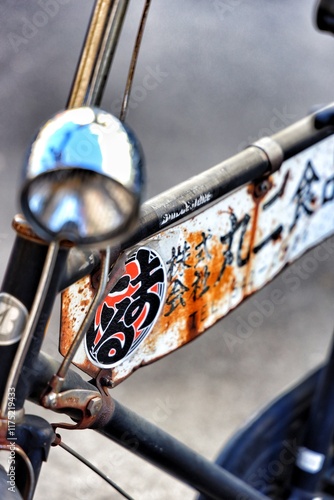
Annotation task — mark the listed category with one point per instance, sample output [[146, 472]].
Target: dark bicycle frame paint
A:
[[151, 443]]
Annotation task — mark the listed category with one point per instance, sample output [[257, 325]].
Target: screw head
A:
[[94, 406], [261, 188]]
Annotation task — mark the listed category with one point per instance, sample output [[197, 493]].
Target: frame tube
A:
[[193, 195], [156, 446]]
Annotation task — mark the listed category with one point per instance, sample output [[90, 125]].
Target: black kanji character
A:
[[304, 196], [175, 298], [328, 192], [202, 249], [178, 259], [229, 238], [112, 322], [200, 285], [151, 273]]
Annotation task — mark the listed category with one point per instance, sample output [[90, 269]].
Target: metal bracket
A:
[[90, 407], [273, 152], [85, 402]]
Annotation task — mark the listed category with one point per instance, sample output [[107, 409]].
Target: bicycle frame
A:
[[194, 271], [252, 167], [175, 458]]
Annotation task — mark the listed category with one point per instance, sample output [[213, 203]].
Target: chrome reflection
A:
[[82, 178]]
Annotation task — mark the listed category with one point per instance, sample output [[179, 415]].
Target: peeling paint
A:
[[219, 257]]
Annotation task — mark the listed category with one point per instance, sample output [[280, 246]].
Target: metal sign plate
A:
[[216, 259]]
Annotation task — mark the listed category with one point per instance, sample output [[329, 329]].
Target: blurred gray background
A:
[[223, 70]]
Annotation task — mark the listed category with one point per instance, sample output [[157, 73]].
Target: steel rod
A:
[[97, 53], [31, 324], [134, 60], [100, 293]]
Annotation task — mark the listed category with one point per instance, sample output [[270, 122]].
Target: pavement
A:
[[225, 73]]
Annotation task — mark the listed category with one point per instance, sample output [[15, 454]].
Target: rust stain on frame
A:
[[227, 252]]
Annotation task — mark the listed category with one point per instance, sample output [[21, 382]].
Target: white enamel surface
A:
[[298, 187]]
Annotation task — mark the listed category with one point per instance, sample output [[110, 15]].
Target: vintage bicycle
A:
[[193, 254]]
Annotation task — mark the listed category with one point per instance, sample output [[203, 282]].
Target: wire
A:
[[133, 62], [95, 469]]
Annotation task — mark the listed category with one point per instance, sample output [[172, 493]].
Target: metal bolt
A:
[[261, 188], [50, 400], [107, 382], [94, 406]]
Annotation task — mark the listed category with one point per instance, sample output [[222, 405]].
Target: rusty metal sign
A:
[[212, 262]]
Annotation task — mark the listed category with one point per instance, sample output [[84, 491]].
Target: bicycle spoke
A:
[[95, 469]]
